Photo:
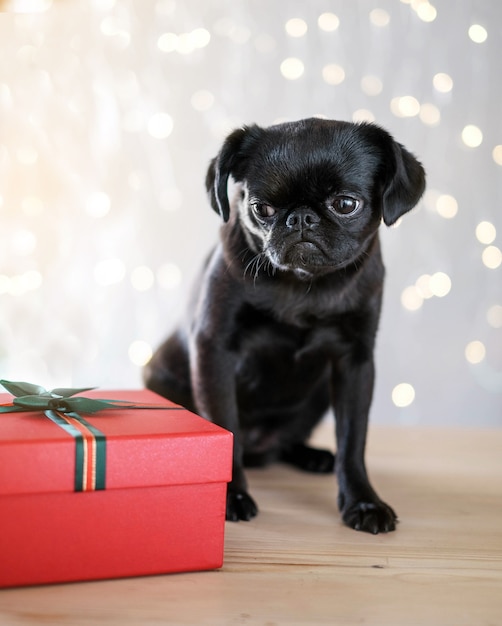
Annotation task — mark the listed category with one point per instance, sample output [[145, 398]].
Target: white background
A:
[[109, 114]]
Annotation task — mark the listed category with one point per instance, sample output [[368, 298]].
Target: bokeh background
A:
[[110, 111]]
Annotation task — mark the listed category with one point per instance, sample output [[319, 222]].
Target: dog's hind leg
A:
[[168, 372], [309, 459]]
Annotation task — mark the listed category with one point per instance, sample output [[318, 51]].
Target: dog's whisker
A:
[[260, 263], [254, 266]]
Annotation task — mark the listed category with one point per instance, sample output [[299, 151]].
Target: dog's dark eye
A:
[[345, 205], [264, 210]]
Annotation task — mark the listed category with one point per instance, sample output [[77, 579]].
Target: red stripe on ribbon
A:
[[89, 449]]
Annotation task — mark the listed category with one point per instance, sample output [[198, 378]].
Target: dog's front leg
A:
[[213, 383], [360, 506]]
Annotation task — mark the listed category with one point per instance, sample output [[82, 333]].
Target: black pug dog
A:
[[283, 320]]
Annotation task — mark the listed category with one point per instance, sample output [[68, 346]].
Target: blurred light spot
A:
[[403, 395], [17, 286], [423, 285], [477, 33], [23, 242], [140, 352], [142, 278], [292, 68], [333, 74], [475, 352], [492, 257], [31, 205], [202, 100], [494, 316], [430, 114], [371, 85], [169, 276], [379, 17], [486, 232], [497, 154], [440, 284], [167, 42], [27, 155], [98, 204], [160, 125], [109, 26], [328, 22], [109, 272], [426, 12], [442, 82], [184, 43], [411, 298], [296, 27], [405, 106], [363, 115], [200, 38], [20, 284], [472, 136], [446, 206]]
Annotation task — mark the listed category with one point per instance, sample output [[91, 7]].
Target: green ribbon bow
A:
[[63, 409], [29, 397]]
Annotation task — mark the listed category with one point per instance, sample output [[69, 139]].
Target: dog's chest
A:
[[305, 308], [275, 360], [272, 338]]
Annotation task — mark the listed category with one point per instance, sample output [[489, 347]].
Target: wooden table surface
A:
[[297, 564]]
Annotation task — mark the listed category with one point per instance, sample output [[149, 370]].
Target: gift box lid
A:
[[145, 447]]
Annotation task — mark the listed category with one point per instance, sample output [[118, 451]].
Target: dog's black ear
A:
[[405, 186], [220, 169]]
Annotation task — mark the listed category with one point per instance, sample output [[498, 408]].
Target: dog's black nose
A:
[[302, 218]]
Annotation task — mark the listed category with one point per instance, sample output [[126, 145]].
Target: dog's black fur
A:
[[283, 321]]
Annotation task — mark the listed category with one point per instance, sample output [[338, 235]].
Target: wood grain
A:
[[297, 564]]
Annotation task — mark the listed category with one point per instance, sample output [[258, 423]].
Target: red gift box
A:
[[161, 509]]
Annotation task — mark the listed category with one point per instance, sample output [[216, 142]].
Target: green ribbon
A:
[[60, 403], [29, 397], [100, 442]]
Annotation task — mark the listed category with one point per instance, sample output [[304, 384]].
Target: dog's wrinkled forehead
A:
[[307, 161]]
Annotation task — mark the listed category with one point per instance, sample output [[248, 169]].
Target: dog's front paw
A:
[[240, 506], [371, 517]]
